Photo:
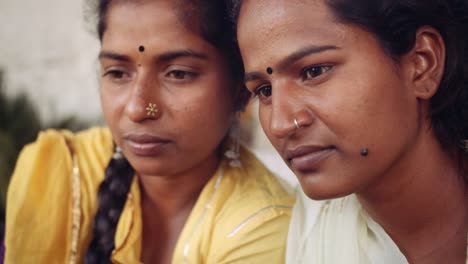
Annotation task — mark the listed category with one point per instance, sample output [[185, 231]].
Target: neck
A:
[[166, 203], [421, 203], [173, 194]]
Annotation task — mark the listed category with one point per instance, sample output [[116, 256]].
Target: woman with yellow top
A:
[[158, 186]]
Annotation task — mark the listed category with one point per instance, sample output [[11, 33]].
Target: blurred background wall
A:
[[46, 52], [48, 73]]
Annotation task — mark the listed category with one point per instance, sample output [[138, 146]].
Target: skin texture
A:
[[335, 108], [348, 94], [194, 112]]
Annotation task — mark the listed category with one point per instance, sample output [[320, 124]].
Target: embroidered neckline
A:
[[76, 211]]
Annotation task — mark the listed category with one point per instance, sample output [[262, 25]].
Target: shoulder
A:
[[252, 221], [47, 162], [93, 146], [96, 137], [65, 142], [53, 149], [41, 188], [256, 203], [253, 181], [44, 167], [255, 188]]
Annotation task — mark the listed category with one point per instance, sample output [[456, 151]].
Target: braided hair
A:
[[112, 195]]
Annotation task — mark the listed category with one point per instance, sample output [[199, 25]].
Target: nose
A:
[[142, 103], [289, 112]]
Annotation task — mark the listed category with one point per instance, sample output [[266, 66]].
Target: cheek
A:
[[202, 130], [377, 113], [264, 116], [105, 103], [110, 103], [205, 113]]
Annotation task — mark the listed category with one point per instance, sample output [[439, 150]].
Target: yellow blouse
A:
[[241, 215]]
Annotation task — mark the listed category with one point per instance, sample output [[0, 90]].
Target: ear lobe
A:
[[428, 62]]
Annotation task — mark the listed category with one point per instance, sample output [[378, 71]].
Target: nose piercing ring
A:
[[296, 123], [152, 109]]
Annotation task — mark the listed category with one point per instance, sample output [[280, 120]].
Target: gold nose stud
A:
[[152, 109]]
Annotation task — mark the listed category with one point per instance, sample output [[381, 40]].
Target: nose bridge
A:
[[285, 103], [143, 93], [144, 86]]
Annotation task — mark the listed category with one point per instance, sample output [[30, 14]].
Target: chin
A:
[[148, 167], [322, 191]]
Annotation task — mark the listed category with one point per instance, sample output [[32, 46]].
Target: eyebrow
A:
[[168, 56], [252, 76], [112, 56], [293, 57], [172, 55]]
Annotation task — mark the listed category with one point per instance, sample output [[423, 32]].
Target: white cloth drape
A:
[[337, 231]]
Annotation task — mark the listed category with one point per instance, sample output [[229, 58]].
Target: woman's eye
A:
[[263, 92], [180, 75], [115, 74], [315, 71]]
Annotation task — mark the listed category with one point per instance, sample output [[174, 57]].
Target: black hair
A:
[[112, 195], [207, 18], [395, 23]]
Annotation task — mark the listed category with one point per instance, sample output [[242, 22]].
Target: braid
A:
[[112, 195]]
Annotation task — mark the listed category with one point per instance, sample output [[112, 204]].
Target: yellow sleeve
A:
[[38, 203], [258, 238], [39, 211]]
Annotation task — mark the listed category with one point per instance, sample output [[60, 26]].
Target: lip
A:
[[145, 144], [307, 158]]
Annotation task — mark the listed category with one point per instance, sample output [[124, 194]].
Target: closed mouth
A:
[[145, 138], [307, 158], [145, 144]]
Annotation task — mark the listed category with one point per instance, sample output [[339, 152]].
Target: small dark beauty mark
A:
[[141, 48], [269, 70], [364, 152]]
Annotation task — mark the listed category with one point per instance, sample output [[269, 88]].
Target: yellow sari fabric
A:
[[241, 215]]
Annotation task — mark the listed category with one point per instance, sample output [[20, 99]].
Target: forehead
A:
[[274, 28], [148, 23]]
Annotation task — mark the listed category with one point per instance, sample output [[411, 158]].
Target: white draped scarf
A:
[[337, 231]]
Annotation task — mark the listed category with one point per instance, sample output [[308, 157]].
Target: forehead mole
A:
[[141, 48]]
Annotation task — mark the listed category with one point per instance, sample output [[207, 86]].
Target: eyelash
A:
[[178, 75], [173, 74], [115, 75], [306, 74], [258, 91], [307, 71]]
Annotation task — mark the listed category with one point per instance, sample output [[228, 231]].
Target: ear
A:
[[427, 59]]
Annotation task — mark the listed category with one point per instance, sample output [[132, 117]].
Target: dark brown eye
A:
[[177, 74], [315, 71], [263, 92], [116, 75], [181, 75]]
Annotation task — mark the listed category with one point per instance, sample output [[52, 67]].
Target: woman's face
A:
[[149, 56], [344, 90]]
